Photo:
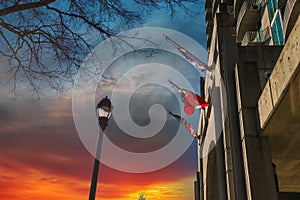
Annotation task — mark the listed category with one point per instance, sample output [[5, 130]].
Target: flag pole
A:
[[177, 46], [187, 125], [172, 83]]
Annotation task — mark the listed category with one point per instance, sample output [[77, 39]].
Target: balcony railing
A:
[[256, 37], [247, 5], [287, 13]]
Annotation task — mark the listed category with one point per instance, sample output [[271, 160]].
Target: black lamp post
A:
[[103, 111]]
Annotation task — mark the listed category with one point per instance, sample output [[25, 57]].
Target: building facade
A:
[[251, 131]]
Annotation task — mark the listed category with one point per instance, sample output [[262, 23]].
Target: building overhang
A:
[[247, 20], [279, 113]]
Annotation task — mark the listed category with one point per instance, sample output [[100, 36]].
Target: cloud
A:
[[47, 160], [29, 183], [42, 157], [171, 190]]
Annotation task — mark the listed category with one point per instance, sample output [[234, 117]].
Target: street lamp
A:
[[103, 112]]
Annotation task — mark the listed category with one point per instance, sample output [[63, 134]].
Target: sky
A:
[[43, 154]]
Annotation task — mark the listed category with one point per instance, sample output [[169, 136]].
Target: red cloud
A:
[[48, 161]]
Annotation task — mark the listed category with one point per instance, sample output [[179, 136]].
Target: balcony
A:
[[237, 6], [248, 18], [291, 13], [279, 113], [256, 38]]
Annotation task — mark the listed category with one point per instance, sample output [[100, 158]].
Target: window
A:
[[277, 31], [272, 7]]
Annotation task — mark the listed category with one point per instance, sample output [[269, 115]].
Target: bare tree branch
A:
[[45, 41], [20, 7]]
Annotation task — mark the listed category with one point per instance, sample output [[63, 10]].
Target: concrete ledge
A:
[[283, 73], [286, 65], [265, 104]]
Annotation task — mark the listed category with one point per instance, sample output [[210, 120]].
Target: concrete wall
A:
[[260, 182], [288, 196], [284, 70]]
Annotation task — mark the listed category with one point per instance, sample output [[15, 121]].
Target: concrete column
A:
[[201, 184], [260, 181], [259, 176], [228, 162], [220, 154], [198, 183], [197, 190], [221, 169], [229, 59]]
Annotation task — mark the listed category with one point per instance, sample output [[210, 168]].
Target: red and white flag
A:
[[186, 124], [191, 100], [189, 56]]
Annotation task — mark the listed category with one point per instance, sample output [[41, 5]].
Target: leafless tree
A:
[[142, 196], [44, 41]]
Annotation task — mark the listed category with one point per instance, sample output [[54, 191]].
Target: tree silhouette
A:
[[142, 196], [44, 42]]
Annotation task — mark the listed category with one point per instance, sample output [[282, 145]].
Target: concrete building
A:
[[250, 145]]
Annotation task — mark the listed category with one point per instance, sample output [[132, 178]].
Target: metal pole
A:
[[96, 167]]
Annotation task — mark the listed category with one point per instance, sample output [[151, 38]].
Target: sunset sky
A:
[[46, 159], [42, 156]]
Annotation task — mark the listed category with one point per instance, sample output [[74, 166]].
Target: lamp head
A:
[[104, 110]]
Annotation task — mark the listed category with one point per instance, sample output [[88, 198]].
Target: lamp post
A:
[[103, 111]]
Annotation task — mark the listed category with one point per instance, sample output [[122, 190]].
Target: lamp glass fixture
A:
[[104, 112]]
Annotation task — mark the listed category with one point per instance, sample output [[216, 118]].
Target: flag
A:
[[186, 124], [189, 57], [191, 100]]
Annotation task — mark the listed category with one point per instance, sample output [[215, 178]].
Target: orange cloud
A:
[[48, 161], [19, 182], [25, 183], [182, 190]]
